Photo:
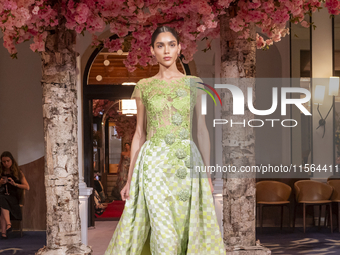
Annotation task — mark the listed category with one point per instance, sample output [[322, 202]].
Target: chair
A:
[[308, 192], [272, 193], [336, 195], [21, 198]]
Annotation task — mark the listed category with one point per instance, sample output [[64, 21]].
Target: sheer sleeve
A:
[[198, 84], [137, 93]]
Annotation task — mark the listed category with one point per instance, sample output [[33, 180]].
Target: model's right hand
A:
[[125, 193]]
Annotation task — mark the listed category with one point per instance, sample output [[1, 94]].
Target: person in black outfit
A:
[[11, 180]]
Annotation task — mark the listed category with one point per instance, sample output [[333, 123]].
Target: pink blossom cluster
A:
[[333, 6], [135, 21], [20, 20], [272, 16]]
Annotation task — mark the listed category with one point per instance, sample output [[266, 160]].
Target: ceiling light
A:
[[129, 83], [128, 106], [99, 77], [119, 52], [106, 62]]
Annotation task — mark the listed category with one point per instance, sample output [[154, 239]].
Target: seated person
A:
[[11, 180], [99, 207], [98, 186]]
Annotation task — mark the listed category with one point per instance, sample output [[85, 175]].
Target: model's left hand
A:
[[10, 180]]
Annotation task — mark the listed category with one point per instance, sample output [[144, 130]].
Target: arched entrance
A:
[[104, 76]]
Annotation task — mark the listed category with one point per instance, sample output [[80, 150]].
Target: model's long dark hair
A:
[[14, 168], [163, 29]]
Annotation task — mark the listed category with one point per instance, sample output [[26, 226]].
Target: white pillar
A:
[[83, 212], [84, 191]]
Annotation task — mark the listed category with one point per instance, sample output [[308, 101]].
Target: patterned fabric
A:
[[170, 210]]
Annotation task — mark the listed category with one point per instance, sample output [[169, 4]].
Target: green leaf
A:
[[15, 55]]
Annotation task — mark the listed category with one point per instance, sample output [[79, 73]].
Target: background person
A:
[[123, 172], [11, 180]]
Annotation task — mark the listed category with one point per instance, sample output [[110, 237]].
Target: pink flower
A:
[[224, 3], [35, 10], [201, 28], [83, 13], [268, 6], [236, 24], [260, 43], [9, 5], [304, 24], [269, 42]]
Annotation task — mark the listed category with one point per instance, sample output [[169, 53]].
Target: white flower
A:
[[184, 133], [181, 172], [170, 138], [177, 119], [180, 153]]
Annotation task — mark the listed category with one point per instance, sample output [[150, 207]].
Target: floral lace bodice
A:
[[169, 107]]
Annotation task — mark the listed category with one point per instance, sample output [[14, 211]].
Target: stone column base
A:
[[250, 251], [80, 249], [264, 251], [258, 249]]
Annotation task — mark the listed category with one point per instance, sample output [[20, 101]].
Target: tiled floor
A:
[[314, 241], [100, 235]]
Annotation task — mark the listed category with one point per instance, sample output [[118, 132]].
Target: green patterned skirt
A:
[[170, 210]]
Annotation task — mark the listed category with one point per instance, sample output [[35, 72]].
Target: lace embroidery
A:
[[169, 109]]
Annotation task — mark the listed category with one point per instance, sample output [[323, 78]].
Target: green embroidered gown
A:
[[170, 210]]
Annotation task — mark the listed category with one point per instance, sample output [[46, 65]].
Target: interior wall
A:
[[268, 143], [21, 126], [322, 61], [21, 121]]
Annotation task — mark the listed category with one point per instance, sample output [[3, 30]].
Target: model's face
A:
[[6, 162], [127, 146], [166, 49]]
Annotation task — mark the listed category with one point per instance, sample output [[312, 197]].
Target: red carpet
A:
[[113, 211]]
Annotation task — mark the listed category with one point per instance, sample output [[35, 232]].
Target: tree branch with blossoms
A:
[[22, 20]]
